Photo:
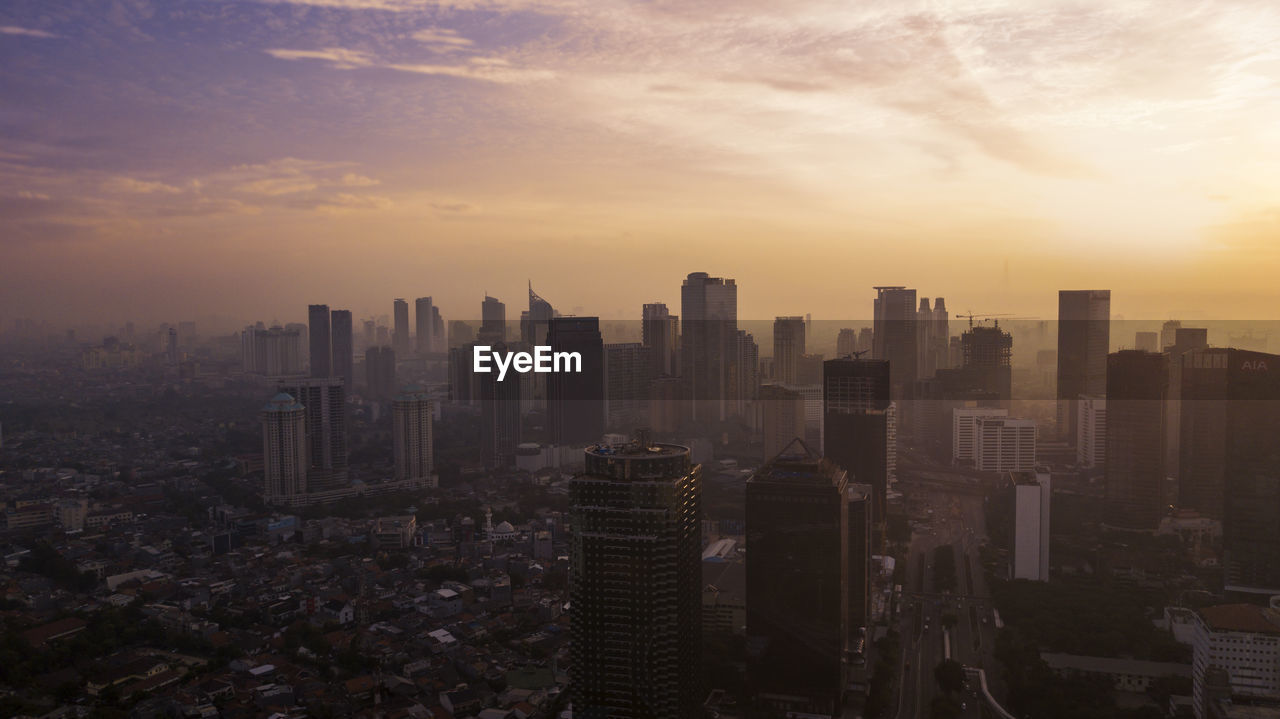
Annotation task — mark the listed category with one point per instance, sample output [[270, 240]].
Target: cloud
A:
[[488, 69], [442, 39], [351, 179], [139, 187], [340, 58], [26, 32]]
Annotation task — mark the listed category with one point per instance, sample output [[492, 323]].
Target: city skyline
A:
[[386, 143]]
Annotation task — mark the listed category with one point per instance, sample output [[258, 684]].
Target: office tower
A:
[[1230, 413], [635, 583], [782, 418], [380, 372], [1084, 336], [272, 352], [493, 321], [321, 347], [985, 361], [424, 320], [171, 347], [1004, 444], [745, 377], [709, 307], [788, 345], [659, 331], [860, 425], [626, 393], [325, 402], [797, 518], [460, 333], [866, 340], [964, 432], [665, 404], [895, 337], [1168, 333], [400, 328], [1146, 341], [1185, 339], [1032, 495], [1240, 643], [343, 347], [439, 342], [575, 401], [846, 342], [1137, 490], [411, 427], [1091, 434], [534, 321], [926, 355], [284, 450], [500, 418], [940, 336], [382, 336], [369, 337], [858, 498]]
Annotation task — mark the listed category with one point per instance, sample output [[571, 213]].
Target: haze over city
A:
[[237, 159]]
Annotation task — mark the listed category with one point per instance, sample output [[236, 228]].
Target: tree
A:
[[950, 675]]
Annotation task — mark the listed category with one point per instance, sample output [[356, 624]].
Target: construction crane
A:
[[856, 354], [996, 317]]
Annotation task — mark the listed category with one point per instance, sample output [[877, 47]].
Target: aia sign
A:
[[1254, 366]]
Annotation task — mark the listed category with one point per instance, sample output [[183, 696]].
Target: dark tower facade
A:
[[499, 414], [708, 344], [636, 583], [858, 424], [319, 341], [1084, 337], [343, 351], [575, 401], [797, 584], [1136, 484]]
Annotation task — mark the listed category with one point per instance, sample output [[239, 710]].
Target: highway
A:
[[954, 517]]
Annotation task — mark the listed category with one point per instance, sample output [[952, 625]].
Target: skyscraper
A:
[[859, 424], [320, 340], [1084, 337], [788, 346], [500, 425], [575, 401], [782, 418], [895, 337], [493, 321], [272, 352], [797, 583], [1004, 444], [636, 583], [1137, 491], [1031, 503], [1091, 434], [424, 319], [343, 352], [534, 321], [284, 450], [325, 402], [846, 342], [660, 333], [627, 373], [858, 498], [411, 427], [708, 343], [400, 328], [380, 372], [985, 365]]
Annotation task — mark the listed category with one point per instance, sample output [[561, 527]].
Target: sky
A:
[[168, 160]]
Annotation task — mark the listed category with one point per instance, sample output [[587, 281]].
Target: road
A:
[[953, 517]]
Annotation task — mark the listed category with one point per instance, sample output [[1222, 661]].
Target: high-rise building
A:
[[1004, 444], [708, 343], [575, 401], [1032, 494], [411, 427], [940, 336], [626, 393], [380, 372], [895, 337], [493, 321], [343, 348], [500, 416], [636, 583], [1168, 332], [788, 346], [1185, 339], [274, 352], [1230, 411], [964, 432], [1138, 493], [660, 333], [797, 583], [782, 418], [858, 498], [745, 379], [535, 320], [846, 342], [1147, 341], [284, 451], [1084, 337], [400, 328], [424, 314], [1091, 434], [325, 402], [859, 426], [985, 361], [321, 349]]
